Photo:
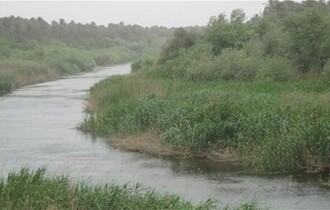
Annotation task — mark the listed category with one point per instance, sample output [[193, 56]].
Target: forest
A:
[[256, 91], [32, 50]]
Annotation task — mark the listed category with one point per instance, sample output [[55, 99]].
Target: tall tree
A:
[[309, 32], [223, 34]]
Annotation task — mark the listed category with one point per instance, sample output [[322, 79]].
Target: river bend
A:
[[38, 128]]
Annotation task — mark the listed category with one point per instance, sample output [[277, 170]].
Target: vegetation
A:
[[34, 190], [275, 126], [258, 87], [288, 42], [32, 50]]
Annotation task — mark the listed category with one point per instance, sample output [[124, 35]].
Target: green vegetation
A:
[[32, 51], [275, 126], [258, 87], [288, 42], [34, 190]]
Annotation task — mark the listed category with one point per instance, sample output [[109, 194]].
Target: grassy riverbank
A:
[[33, 51], [39, 62], [233, 87], [273, 126], [34, 190]]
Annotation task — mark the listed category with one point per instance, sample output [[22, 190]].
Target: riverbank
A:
[[272, 126], [151, 143], [234, 87], [33, 50], [56, 60], [28, 189], [46, 114]]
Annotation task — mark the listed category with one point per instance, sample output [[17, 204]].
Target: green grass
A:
[[34, 62], [275, 126], [28, 189]]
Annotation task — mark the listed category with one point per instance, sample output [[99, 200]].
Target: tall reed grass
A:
[[274, 126], [27, 189], [34, 190]]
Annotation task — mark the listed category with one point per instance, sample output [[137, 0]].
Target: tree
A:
[[309, 32], [223, 34], [182, 40], [237, 16], [281, 9]]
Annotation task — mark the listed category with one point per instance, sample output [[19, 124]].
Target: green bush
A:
[[68, 60], [326, 70], [5, 84], [182, 40], [234, 64], [203, 69], [143, 64], [276, 68], [183, 66]]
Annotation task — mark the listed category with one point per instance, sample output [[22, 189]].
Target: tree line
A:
[[288, 40], [22, 30]]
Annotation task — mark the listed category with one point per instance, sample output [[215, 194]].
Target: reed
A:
[[27, 189], [275, 126]]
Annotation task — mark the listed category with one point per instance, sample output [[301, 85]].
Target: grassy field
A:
[[28, 189], [274, 126]]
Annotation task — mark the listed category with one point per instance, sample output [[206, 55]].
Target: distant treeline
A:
[[32, 50], [22, 30]]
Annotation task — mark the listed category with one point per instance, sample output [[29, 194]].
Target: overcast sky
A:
[[145, 13]]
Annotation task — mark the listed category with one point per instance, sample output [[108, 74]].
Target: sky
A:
[[144, 13]]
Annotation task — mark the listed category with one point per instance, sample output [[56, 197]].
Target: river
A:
[[38, 128]]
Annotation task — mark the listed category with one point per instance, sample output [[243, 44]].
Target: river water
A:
[[38, 128]]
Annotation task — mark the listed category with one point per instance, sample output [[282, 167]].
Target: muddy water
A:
[[37, 128]]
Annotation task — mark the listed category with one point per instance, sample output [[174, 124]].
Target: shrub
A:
[[5, 84], [145, 63], [278, 69], [326, 70], [182, 40], [184, 65], [235, 64], [203, 69]]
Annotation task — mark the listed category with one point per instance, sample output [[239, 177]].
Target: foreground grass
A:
[[33, 190], [273, 126]]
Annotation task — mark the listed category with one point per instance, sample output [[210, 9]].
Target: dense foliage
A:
[[228, 87], [289, 40], [32, 50], [24, 30]]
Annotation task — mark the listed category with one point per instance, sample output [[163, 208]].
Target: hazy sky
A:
[[145, 13]]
